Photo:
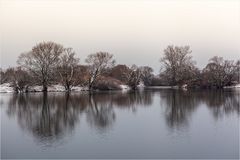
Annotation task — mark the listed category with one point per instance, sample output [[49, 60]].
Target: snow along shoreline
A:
[[233, 87], [7, 88]]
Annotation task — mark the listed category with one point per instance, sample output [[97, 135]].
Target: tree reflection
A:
[[47, 117], [50, 116], [179, 105], [100, 113], [223, 102]]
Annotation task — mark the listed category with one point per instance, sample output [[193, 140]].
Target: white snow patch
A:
[[234, 86], [141, 85], [237, 86], [56, 88], [184, 86], [124, 87], [77, 88], [35, 88], [159, 87], [6, 88]]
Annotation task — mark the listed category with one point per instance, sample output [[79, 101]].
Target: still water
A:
[[147, 124]]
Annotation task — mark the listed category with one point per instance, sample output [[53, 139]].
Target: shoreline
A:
[[6, 88]]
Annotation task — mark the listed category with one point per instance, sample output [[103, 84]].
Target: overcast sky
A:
[[136, 32]]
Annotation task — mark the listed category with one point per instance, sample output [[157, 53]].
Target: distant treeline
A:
[[50, 63]]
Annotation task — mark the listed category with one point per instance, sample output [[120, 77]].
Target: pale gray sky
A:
[[136, 32]]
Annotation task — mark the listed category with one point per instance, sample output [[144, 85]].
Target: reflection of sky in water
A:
[[160, 124], [134, 31]]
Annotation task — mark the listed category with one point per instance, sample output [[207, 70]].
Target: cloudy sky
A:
[[136, 32]]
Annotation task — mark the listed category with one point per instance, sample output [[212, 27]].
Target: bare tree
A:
[[2, 80], [133, 76], [6, 75], [21, 80], [41, 61], [177, 64], [238, 70], [219, 72], [67, 68], [146, 74], [18, 78], [98, 62]]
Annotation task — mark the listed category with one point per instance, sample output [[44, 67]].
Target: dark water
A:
[[148, 124]]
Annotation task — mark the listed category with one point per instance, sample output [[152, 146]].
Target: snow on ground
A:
[[76, 88], [6, 88], [234, 86], [79, 88], [35, 89], [56, 88], [237, 86], [52, 88], [159, 87], [141, 85], [124, 87]]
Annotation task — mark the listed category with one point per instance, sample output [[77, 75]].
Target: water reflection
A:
[[49, 117], [100, 113], [222, 102], [179, 105]]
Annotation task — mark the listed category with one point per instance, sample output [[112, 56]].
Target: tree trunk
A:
[[67, 86], [90, 85], [45, 87]]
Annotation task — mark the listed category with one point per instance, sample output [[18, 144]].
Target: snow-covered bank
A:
[[79, 88], [124, 87], [57, 88], [35, 89], [6, 88], [52, 88], [233, 87], [141, 86], [162, 87]]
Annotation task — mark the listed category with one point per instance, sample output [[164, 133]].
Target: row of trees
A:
[[50, 63], [179, 68]]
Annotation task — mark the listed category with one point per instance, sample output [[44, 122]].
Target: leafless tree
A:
[[177, 64], [5, 75], [1, 76], [238, 70], [219, 72], [21, 80], [41, 61], [146, 74], [67, 68], [133, 76], [98, 62], [18, 78]]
